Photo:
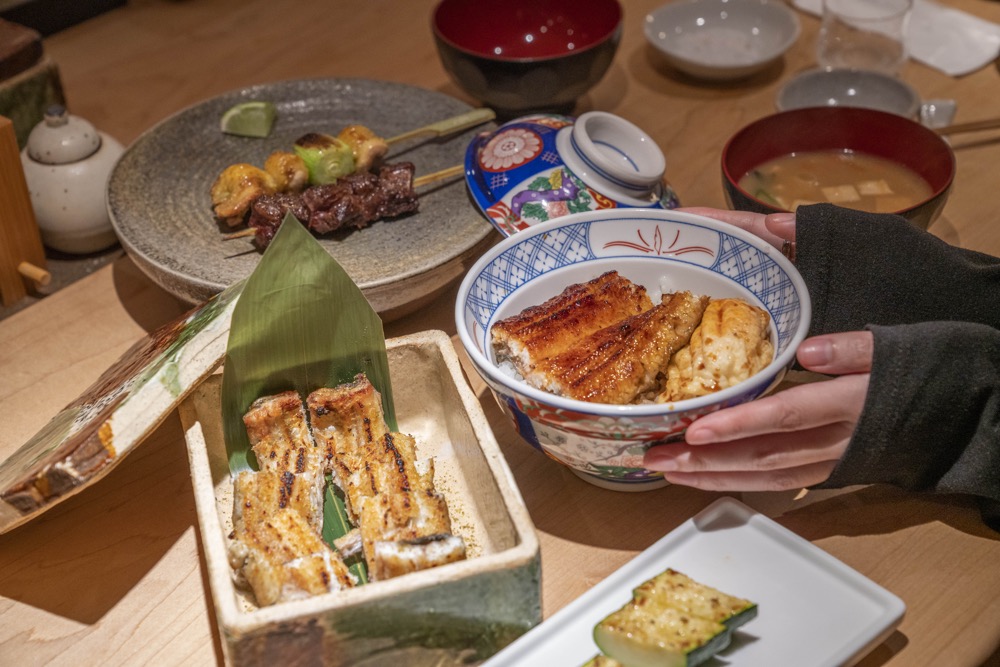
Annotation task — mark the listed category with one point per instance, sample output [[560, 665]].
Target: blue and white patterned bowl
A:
[[545, 166], [662, 250]]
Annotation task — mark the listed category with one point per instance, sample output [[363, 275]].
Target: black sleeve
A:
[[863, 268], [931, 420]]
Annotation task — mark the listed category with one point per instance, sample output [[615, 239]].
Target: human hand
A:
[[789, 440], [778, 229]]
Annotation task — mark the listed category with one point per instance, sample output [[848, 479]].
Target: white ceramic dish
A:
[[722, 39], [813, 609], [849, 88]]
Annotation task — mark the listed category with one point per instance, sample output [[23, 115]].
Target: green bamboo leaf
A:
[[301, 323], [336, 524]]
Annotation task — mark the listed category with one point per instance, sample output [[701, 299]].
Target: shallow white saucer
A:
[[722, 39], [849, 88]]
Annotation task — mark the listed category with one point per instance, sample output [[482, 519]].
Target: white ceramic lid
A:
[[62, 138]]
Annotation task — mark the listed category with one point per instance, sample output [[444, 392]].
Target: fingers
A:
[[789, 440], [797, 409], [781, 225], [775, 228], [838, 354], [751, 222], [775, 462], [784, 480], [765, 453]]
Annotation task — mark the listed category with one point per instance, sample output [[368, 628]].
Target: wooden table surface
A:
[[114, 575]]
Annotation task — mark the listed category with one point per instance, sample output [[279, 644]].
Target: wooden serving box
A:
[[459, 613]]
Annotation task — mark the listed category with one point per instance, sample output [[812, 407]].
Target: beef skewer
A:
[[318, 158], [354, 201]]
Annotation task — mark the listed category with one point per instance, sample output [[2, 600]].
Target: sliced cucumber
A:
[[644, 634], [603, 661], [677, 590]]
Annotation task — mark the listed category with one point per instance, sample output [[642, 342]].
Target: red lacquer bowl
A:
[[877, 133], [519, 56]]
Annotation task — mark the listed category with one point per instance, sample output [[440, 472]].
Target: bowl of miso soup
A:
[[852, 157]]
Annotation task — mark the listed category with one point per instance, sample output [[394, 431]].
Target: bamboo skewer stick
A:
[[242, 234], [436, 176], [447, 126], [426, 179]]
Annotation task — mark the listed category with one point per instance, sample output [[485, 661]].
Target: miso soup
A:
[[846, 178]]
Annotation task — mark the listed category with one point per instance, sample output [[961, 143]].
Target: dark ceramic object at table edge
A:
[[514, 86]]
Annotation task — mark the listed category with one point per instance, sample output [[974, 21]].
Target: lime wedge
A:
[[249, 119]]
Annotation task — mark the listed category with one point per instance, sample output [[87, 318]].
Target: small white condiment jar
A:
[[66, 165]]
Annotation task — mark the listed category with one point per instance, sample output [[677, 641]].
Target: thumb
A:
[[838, 354]]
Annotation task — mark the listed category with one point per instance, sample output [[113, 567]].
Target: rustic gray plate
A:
[[158, 193]]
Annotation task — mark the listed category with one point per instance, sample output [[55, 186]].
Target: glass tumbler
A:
[[864, 34]]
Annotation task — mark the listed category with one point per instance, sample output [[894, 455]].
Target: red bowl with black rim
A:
[[884, 135], [521, 56]]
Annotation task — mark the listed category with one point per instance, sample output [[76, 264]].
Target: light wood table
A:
[[114, 575]]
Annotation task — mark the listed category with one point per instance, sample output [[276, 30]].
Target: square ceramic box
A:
[[454, 614]]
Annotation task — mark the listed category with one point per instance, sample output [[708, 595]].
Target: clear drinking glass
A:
[[864, 34]]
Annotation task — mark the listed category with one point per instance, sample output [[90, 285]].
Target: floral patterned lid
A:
[[545, 166]]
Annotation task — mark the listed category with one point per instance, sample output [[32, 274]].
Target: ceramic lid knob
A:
[[62, 138], [619, 157]]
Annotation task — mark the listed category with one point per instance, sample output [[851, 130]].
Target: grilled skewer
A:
[[318, 159], [354, 201]]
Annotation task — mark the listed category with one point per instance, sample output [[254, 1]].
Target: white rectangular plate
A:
[[812, 608]]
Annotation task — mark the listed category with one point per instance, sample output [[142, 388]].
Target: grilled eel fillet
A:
[[345, 421], [730, 345], [556, 325], [619, 362], [403, 521], [277, 548]]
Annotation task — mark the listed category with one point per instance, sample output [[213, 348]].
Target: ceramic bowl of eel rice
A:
[[664, 251]]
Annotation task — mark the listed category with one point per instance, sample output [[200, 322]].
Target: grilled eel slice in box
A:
[[403, 521], [277, 546]]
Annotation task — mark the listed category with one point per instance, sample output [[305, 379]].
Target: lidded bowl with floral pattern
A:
[[544, 166]]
